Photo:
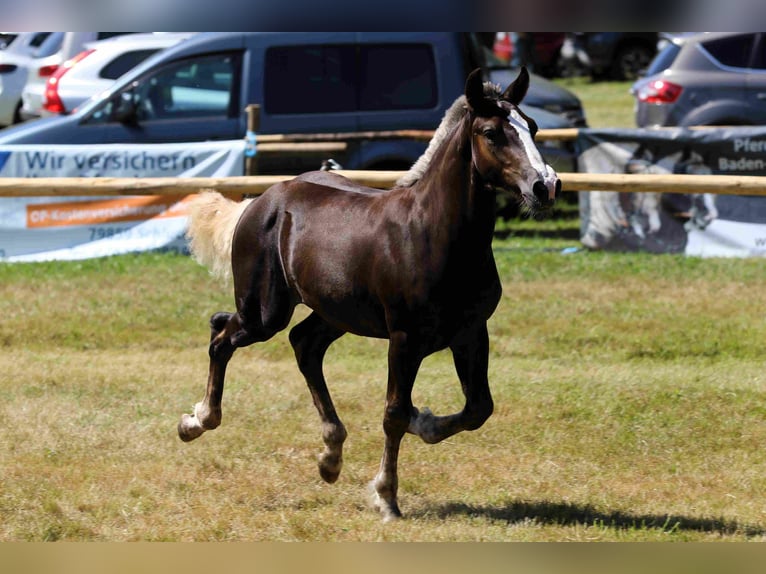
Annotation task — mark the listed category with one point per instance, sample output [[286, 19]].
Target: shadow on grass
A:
[[563, 514]]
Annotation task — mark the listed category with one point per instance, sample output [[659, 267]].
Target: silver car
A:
[[705, 79]]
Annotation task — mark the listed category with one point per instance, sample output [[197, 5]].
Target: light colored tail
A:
[[212, 219]]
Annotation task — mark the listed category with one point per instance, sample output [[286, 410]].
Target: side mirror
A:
[[125, 109]]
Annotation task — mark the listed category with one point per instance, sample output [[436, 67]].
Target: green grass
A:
[[629, 395], [607, 104]]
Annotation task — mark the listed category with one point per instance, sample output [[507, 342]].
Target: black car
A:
[[615, 55]]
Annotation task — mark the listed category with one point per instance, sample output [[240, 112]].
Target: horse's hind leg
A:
[[310, 340], [226, 335]]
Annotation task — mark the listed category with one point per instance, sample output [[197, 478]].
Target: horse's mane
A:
[[452, 116]]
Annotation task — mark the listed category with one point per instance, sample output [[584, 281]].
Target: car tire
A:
[[630, 61], [17, 119]]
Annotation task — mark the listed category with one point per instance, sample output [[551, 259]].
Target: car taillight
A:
[[47, 71], [659, 92], [7, 68], [53, 102]]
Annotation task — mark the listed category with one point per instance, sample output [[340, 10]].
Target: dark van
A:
[[305, 83]]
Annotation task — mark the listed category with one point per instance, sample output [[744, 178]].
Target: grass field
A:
[[607, 104], [629, 397], [630, 405]]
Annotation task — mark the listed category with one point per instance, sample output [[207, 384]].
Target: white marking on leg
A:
[[424, 425]]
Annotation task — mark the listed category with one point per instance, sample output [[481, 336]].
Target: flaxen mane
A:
[[454, 114]]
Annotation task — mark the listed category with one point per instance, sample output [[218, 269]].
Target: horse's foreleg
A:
[[226, 335], [310, 340], [403, 362], [471, 356]]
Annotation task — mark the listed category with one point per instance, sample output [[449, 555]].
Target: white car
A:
[[71, 43], [20, 52], [91, 71]]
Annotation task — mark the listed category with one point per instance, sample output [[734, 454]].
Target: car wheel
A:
[[17, 114], [630, 61]]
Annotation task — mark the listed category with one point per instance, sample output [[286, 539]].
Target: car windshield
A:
[[663, 59]]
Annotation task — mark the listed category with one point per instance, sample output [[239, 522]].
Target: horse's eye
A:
[[489, 133]]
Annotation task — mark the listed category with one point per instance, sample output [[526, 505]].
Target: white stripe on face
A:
[[522, 129], [546, 172]]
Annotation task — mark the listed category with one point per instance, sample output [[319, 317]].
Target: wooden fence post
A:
[[253, 125]]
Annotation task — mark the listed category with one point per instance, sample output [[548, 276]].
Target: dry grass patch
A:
[[629, 399]]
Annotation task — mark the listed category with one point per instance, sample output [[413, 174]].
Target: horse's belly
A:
[[354, 315]]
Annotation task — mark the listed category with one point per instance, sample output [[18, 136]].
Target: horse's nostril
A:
[[541, 191]]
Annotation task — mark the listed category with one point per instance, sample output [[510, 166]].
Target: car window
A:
[[205, 86], [348, 78], [6, 39], [105, 35], [202, 86], [664, 59], [48, 43], [309, 79], [38, 39], [734, 51], [397, 77], [124, 62]]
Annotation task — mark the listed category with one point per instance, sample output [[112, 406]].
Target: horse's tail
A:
[[212, 220]]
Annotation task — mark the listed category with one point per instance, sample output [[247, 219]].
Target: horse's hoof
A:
[[329, 467], [189, 428], [389, 511]]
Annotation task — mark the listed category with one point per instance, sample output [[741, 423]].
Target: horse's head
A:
[[503, 149]]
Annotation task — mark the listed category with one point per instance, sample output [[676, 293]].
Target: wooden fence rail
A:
[[254, 185]]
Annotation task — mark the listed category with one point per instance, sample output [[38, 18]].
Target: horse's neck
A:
[[451, 192]]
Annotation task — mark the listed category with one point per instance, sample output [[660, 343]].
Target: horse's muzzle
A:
[[545, 192]]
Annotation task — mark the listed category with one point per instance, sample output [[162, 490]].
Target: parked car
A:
[[612, 55], [20, 52], [304, 82], [69, 45], [704, 79], [542, 93], [97, 67], [544, 48]]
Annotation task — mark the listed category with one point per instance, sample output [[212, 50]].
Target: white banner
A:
[[705, 225], [46, 228]]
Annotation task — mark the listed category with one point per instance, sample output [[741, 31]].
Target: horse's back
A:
[[336, 181]]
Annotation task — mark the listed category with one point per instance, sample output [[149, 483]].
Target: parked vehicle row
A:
[[602, 55], [197, 89], [91, 71], [29, 58]]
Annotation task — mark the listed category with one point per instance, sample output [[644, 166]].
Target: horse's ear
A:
[[474, 89], [518, 89]]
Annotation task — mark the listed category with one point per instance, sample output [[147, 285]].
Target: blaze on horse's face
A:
[[504, 151]]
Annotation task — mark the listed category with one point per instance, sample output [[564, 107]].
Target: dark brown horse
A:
[[412, 264]]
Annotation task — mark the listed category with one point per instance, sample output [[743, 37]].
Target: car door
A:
[[191, 99], [305, 83]]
